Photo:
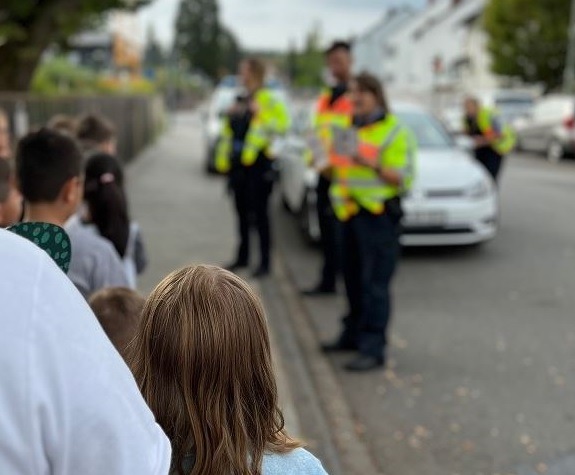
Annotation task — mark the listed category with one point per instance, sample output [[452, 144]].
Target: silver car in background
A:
[[549, 128]]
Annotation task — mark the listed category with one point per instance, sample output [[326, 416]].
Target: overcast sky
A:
[[272, 24]]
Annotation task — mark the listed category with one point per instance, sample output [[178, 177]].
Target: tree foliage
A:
[[29, 27], [202, 40], [305, 67], [528, 39]]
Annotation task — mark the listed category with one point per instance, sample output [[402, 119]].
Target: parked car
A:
[[550, 128], [453, 201], [222, 99]]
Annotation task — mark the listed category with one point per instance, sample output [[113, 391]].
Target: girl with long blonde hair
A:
[[202, 360]]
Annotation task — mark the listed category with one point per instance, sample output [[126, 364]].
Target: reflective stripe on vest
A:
[[355, 187]]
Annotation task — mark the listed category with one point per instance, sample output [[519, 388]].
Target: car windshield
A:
[[427, 129]]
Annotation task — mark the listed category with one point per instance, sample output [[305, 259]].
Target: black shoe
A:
[[261, 272], [338, 347], [319, 291], [364, 363], [236, 265]]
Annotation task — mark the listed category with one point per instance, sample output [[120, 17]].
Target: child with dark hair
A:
[[107, 211], [96, 134], [119, 311], [49, 171], [10, 198]]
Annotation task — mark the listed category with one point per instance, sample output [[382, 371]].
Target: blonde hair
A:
[[202, 360], [119, 311]]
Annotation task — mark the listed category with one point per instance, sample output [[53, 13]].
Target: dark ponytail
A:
[[106, 199]]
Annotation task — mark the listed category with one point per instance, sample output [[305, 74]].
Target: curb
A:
[[353, 453]]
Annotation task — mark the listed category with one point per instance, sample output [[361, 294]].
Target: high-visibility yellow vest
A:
[[388, 144], [504, 144], [270, 120]]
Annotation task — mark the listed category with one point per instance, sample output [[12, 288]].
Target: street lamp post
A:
[[569, 75]]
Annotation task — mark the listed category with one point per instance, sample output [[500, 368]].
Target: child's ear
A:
[[72, 191]]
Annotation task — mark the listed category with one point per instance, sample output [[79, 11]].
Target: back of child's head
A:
[[202, 359], [95, 132], [64, 124], [106, 199], [46, 160], [119, 312]]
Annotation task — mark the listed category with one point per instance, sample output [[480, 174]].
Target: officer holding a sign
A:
[[333, 108], [373, 166]]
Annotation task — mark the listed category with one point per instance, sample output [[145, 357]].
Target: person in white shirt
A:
[[69, 404]]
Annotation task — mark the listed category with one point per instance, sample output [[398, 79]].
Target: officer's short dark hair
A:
[[45, 161], [338, 46]]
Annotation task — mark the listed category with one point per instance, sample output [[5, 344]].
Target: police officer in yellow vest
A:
[[244, 152], [366, 195], [492, 139], [333, 107]]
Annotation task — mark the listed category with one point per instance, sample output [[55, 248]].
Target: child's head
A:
[[64, 124], [119, 311], [202, 360], [106, 199], [10, 198], [49, 171], [5, 138], [97, 134]]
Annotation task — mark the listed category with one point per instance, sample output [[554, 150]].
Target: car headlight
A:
[[479, 190]]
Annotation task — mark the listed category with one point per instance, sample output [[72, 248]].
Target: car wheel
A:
[[285, 205], [308, 217], [555, 151]]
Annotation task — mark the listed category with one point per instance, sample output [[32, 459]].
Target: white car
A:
[[453, 201]]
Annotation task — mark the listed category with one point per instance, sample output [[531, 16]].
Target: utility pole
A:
[[569, 74]]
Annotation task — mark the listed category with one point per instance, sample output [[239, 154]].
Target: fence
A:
[[138, 119]]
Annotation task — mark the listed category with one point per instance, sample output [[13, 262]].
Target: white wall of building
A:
[[446, 34]]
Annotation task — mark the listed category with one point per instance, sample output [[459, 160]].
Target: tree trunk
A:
[[19, 65], [19, 58]]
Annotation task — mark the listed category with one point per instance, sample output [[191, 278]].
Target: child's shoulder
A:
[[296, 462]]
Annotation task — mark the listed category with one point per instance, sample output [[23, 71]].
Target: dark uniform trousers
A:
[[331, 236], [371, 251], [252, 188]]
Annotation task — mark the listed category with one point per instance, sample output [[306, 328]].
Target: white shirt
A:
[[68, 403]]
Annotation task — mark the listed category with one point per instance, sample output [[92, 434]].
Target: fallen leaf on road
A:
[[531, 449], [359, 429], [542, 468], [468, 446], [414, 442], [455, 427], [462, 392], [525, 439]]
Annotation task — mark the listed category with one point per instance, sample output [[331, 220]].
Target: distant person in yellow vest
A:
[[492, 139], [333, 107], [244, 152], [366, 192]]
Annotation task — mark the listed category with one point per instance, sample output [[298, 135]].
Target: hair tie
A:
[[107, 178]]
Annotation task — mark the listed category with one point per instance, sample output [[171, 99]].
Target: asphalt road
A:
[[481, 379]]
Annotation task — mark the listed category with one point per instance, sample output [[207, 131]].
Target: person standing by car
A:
[[366, 193], [334, 108], [492, 139], [244, 153]]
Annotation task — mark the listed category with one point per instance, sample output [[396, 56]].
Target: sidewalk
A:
[[186, 218]]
